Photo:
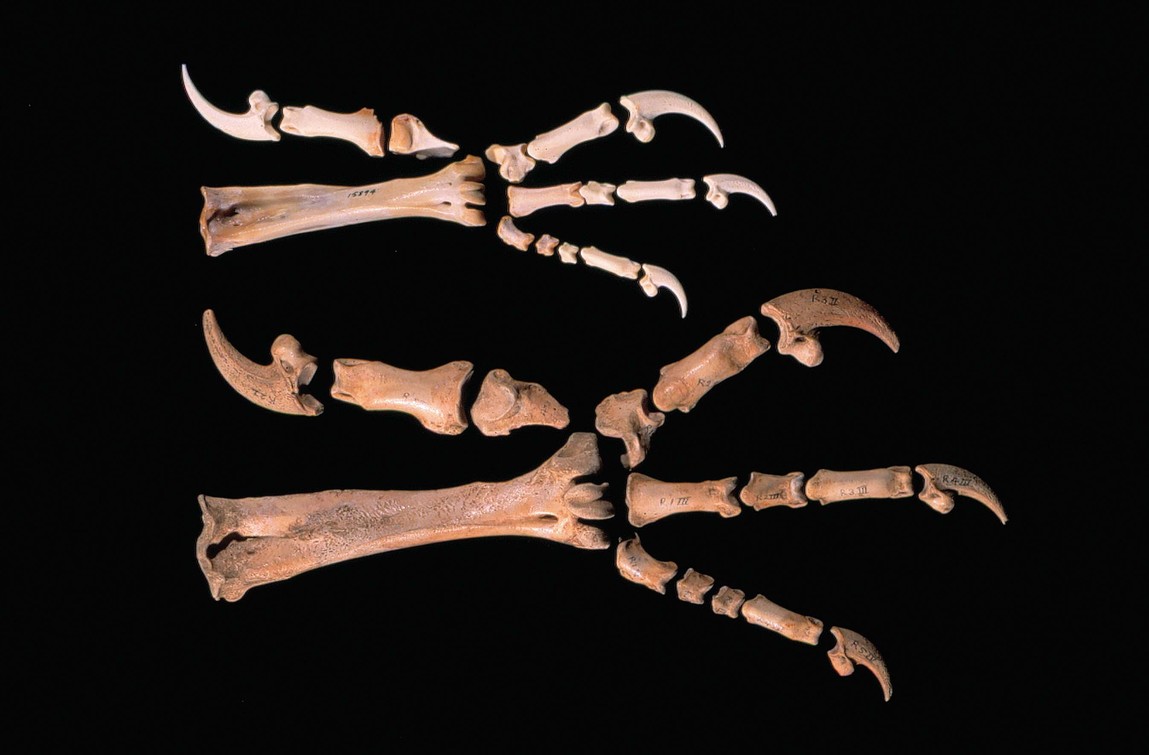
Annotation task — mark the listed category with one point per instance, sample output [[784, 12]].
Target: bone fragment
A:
[[638, 566], [254, 541], [765, 613], [671, 189], [513, 161], [522, 201], [852, 648], [254, 125], [612, 263], [596, 192], [273, 386], [728, 602], [942, 480], [624, 415], [722, 185], [410, 137], [592, 124], [512, 236], [434, 397], [361, 128], [655, 277], [546, 245], [506, 404], [682, 383], [648, 499], [800, 315], [828, 486], [644, 107], [242, 215], [766, 490], [693, 586], [568, 253]]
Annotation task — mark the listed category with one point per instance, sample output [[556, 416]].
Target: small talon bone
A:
[[434, 397], [523, 201], [655, 277], [568, 253], [624, 415], [361, 128], [254, 125], [612, 263], [683, 383], [592, 124], [941, 480], [828, 486], [506, 404], [596, 192], [648, 499], [512, 236], [546, 245], [793, 626], [722, 185], [766, 490], [644, 107], [671, 189], [852, 648], [638, 566], [801, 314], [410, 137], [513, 161], [693, 586], [728, 602]]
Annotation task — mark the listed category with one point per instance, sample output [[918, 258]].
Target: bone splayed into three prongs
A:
[[625, 416], [254, 125], [644, 107], [505, 404], [800, 315], [793, 626], [513, 161], [766, 490], [942, 480], [722, 185], [434, 397], [522, 201], [592, 124], [410, 137], [360, 128], [670, 189], [728, 602], [850, 648], [693, 586], [683, 383], [638, 566], [829, 486], [612, 263], [648, 499], [512, 236]]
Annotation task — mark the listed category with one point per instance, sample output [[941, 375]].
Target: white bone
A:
[[568, 253], [522, 201], [546, 245], [683, 383], [638, 566], [800, 315], [505, 404], [648, 499], [625, 416], [645, 191], [592, 124], [852, 648], [595, 192], [941, 480], [612, 263], [828, 486], [361, 128], [655, 277], [254, 125], [434, 397], [644, 107], [727, 602], [766, 490], [512, 236], [722, 185], [793, 626], [410, 137], [693, 586], [513, 161]]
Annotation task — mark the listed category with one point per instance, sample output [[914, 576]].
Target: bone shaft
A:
[[828, 486]]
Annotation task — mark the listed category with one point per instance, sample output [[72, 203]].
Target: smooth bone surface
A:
[[655, 277], [596, 192], [644, 107], [522, 201], [568, 253], [850, 648], [612, 263], [241, 215], [638, 566], [410, 137], [505, 404], [592, 124], [546, 245], [434, 397], [828, 486], [683, 383], [728, 602], [648, 499], [254, 125], [512, 236], [722, 185], [625, 416], [513, 161], [800, 315], [254, 541], [793, 626], [670, 189], [360, 128], [693, 586], [943, 480], [766, 490]]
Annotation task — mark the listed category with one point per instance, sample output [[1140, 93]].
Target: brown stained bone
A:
[[766, 490], [684, 382], [592, 124], [800, 315], [625, 416], [273, 386], [852, 648], [767, 614], [248, 542], [693, 586], [434, 397], [728, 602], [360, 128], [523, 201], [241, 215], [505, 404], [648, 499], [638, 566], [828, 486], [942, 480]]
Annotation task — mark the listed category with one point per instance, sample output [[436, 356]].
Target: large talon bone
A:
[[648, 499], [273, 386], [592, 124], [361, 128], [801, 314], [612, 263], [512, 236], [624, 415], [766, 490], [671, 189], [793, 626], [513, 161], [722, 185], [410, 137], [644, 107], [254, 125], [248, 542], [684, 382], [693, 586], [941, 480], [434, 397], [241, 215], [852, 648], [655, 277], [828, 486], [523, 201], [728, 602], [506, 404], [638, 566]]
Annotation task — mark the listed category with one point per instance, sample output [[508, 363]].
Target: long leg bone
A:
[[638, 566], [722, 185], [648, 499], [684, 382], [434, 397], [644, 107], [361, 128], [522, 201], [410, 137], [254, 125], [828, 486], [766, 490], [592, 124], [852, 648], [505, 404], [941, 480], [671, 189], [625, 415]]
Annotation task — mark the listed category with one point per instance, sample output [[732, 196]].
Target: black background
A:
[[959, 171]]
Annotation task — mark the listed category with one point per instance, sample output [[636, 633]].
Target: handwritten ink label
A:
[[818, 296], [956, 480], [360, 193]]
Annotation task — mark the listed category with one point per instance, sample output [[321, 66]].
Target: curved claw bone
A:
[[793, 626], [722, 185], [828, 486], [682, 384], [852, 648], [592, 124], [410, 137], [506, 404], [648, 499], [801, 314], [638, 566], [644, 107], [254, 125], [624, 415], [671, 189], [434, 397], [361, 128], [941, 480], [655, 277]]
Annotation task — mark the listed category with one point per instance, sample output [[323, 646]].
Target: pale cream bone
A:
[[655, 277], [728, 602], [670, 189], [682, 383], [241, 215], [248, 542], [828, 486], [765, 613], [942, 480], [361, 128], [434, 397], [254, 125], [693, 586], [800, 315], [513, 161], [592, 124], [612, 263], [523, 201], [638, 566], [546, 245], [506, 404], [410, 137], [722, 185], [625, 416], [273, 386], [850, 648], [568, 253], [596, 192], [512, 236], [648, 499], [766, 490], [644, 107]]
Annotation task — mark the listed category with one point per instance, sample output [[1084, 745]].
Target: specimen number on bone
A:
[[241, 215], [522, 201], [434, 397], [361, 128], [513, 161], [766, 490], [684, 382], [693, 586], [670, 189], [800, 315], [592, 124], [596, 192], [273, 386], [765, 613], [410, 137], [850, 648], [248, 542], [638, 566], [728, 602], [254, 125], [506, 404], [625, 415], [828, 486], [722, 185], [644, 107], [942, 480], [648, 499], [512, 236], [612, 263]]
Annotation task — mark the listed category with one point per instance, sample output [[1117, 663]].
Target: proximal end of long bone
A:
[[410, 137], [722, 185], [852, 648], [942, 480], [638, 566], [655, 277], [644, 107], [360, 128], [274, 386], [254, 125], [799, 316]]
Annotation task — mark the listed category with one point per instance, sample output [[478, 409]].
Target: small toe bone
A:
[[683, 383], [942, 480], [513, 161], [670, 189], [852, 648], [596, 192], [523, 201], [360, 128], [505, 404], [801, 314], [434, 397], [512, 236], [728, 602], [254, 125], [644, 107], [655, 277], [546, 245], [722, 185], [612, 263], [766, 490], [410, 137], [568, 253], [828, 486], [693, 586], [638, 566], [765, 613], [592, 124], [624, 415], [648, 499]]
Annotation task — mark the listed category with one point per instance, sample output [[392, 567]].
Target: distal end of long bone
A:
[[644, 107], [722, 185], [254, 125], [852, 648], [800, 314], [942, 480], [655, 277]]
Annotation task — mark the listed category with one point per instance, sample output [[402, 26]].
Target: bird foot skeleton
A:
[[248, 542]]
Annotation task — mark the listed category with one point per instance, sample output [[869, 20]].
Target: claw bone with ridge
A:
[[800, 315], [828, 486], [728, 602], [943, 480], [765, 613], [523, 201], [766, 490], [513, 161], [644, 107], [612, 263], [434, 397], [625, 416], [360, 128], [512, 236], [693, 586], [655, 277], [722, 185], [682, 383], [852, 648], [648, 499], [505, 404], [410, 137], [592, 124], [638, 566], [671, 189], [254, 125]]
